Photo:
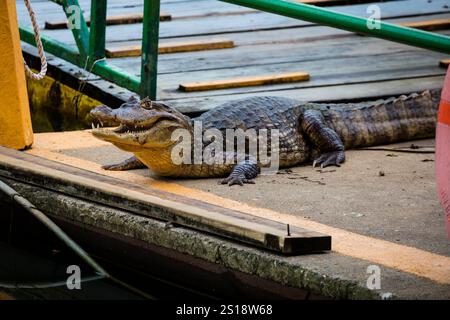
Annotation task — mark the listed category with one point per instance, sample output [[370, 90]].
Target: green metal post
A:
[[80, 32], [413, 37], [97, 30], [149, 56]]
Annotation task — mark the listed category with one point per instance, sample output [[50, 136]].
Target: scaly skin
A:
[[308, 131]]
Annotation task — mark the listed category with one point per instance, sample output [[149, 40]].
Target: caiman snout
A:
[[104, 114]]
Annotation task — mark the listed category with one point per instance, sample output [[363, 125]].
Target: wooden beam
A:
[[429, 25], [444, 63], [170, 47], [322, 2], [111, 20], [142, 200], [244, 82], [328, 3]]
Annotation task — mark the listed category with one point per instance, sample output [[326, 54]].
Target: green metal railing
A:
[[91, 41], [91, 46]]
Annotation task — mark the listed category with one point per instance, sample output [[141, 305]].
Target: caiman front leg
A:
[[128, 164], [324, 138], [242, 173]]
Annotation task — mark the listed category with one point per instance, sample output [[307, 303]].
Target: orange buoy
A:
[[443, 151]]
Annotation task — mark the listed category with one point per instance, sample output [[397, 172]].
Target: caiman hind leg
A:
[[325, 139], [243, 172], [128, 164]]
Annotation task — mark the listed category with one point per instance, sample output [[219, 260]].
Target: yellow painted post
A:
[[15, 121]]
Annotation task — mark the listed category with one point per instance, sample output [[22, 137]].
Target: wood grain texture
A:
[[171, 47], [215, 24], [161, 205], [327, 3], [245, 82], [332, 94], [428, 25], [111, 20]]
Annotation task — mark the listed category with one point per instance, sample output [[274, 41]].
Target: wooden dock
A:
[[341, 65], [392, 220], [223, 233]]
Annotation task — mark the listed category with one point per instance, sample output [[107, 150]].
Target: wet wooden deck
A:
[[342, 65]]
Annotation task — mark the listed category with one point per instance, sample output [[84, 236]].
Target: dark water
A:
[[36, 264]]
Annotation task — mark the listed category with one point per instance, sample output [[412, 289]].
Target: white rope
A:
[[37, 38]]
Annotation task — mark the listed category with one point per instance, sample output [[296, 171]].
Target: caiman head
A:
[[139, 125]]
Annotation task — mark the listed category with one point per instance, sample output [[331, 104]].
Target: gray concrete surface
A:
[[401, 206], [384, 195]]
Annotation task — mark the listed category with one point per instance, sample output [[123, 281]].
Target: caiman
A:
[[318, 132]]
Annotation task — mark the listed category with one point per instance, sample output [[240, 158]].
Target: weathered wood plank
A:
[[169, 47], [180, 10], [264, 54], [158, 204], [429, 25], [333, 94], [255, 21], [400, 65], [245, 82], [110, 20], [327, 3]]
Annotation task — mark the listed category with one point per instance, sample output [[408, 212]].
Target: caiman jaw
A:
[[137, 127], [126, 136]]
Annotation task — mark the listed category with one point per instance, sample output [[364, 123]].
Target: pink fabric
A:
[[443, 152]]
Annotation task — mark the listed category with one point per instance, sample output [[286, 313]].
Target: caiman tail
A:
[[392, 120]]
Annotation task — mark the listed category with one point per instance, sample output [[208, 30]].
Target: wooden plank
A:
[[270, 53], [182, 10], [110, 20], [209, 25], [399, 65], [331, 94], [170, 47], [245, 82], [429, 25], [327, 3], [157, 204], [444, 63]]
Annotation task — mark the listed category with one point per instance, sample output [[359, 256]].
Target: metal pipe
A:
[[97, 30], [149, 56], [68, 53], [81, 32], [387, 31], [24, 203], [101, 273]]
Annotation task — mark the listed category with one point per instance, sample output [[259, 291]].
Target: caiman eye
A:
[[147, 104]]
